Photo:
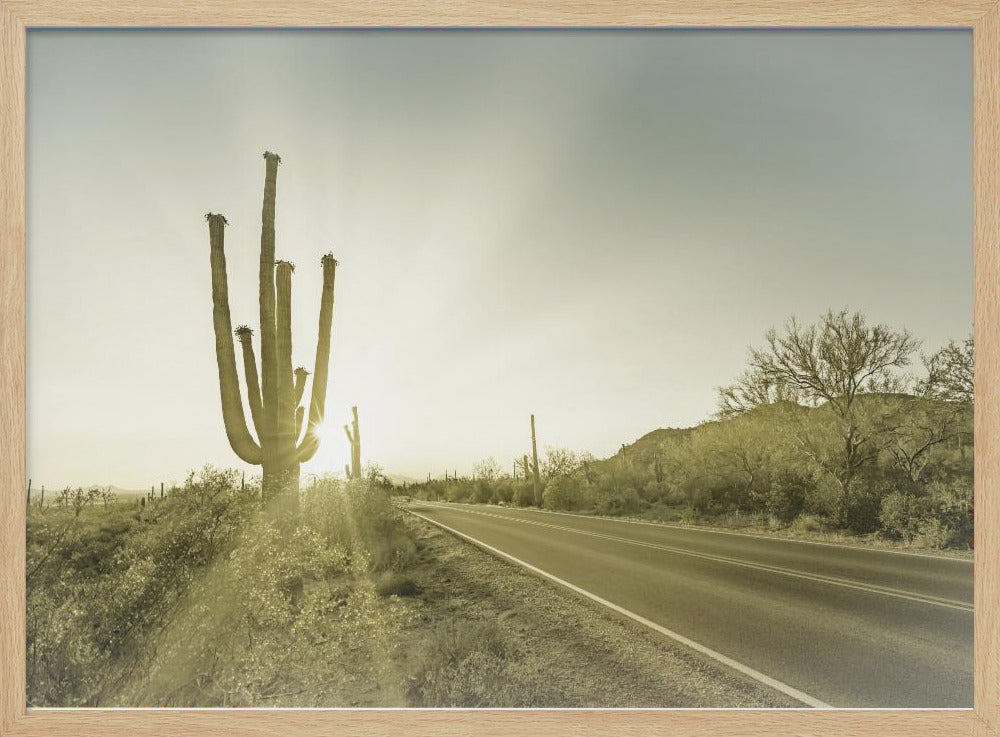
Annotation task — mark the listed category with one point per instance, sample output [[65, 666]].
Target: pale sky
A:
[[590, 225]]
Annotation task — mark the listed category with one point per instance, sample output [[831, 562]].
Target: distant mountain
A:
[[643, 450]]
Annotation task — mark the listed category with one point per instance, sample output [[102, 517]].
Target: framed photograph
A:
[[492, 369]]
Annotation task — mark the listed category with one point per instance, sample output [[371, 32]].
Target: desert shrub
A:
[[952, 507], [458, 491], [99, 581], [654, 491], [615, 504], [482, 492], [690, 516], [503, 491], [471, 664], [863, 510], [675, 496], [807, 523], [396, 584], [562, 493], [786, 498], [200, 599], [255, 640], [902, 515], [361, 518], [823, 502], [524, 494]]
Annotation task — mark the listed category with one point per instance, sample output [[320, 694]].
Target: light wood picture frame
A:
[[17, 16]]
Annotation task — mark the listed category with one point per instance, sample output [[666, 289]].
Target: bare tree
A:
[[950, 373], [488, 470], [921, 427], [559, 462], [752, 389], [831, 364], [374, 474]]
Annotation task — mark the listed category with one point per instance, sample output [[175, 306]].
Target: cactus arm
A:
[[350, 438], [300, 384], [253, 384], [300, 413], [283, 345], [239, 435], [347, 471], [268, 356], [310, 443]]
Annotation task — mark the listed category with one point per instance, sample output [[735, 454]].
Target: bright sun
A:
[[331, 448], [327, 434]]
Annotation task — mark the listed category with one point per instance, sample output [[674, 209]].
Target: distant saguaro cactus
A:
[[353, 432], [273, 399], [536, 482]]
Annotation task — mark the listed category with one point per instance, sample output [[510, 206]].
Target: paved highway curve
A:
[[849, 627]]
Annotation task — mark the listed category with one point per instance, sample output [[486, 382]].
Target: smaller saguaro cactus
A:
[[353, 432], [535, 480]]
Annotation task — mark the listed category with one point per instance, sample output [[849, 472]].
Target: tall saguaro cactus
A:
[[274, 394], [536, 482], [353, 432]]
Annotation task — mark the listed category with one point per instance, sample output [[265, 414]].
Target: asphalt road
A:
[[850, 627]]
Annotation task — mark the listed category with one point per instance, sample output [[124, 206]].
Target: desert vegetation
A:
[[831, 429], [102, 581], [186, 601]]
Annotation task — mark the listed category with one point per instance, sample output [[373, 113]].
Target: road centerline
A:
[[815, 577]]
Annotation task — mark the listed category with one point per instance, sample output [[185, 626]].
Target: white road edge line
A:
[[746, 670], [816, 578]]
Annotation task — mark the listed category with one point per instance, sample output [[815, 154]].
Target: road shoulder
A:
[[545, 647]]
